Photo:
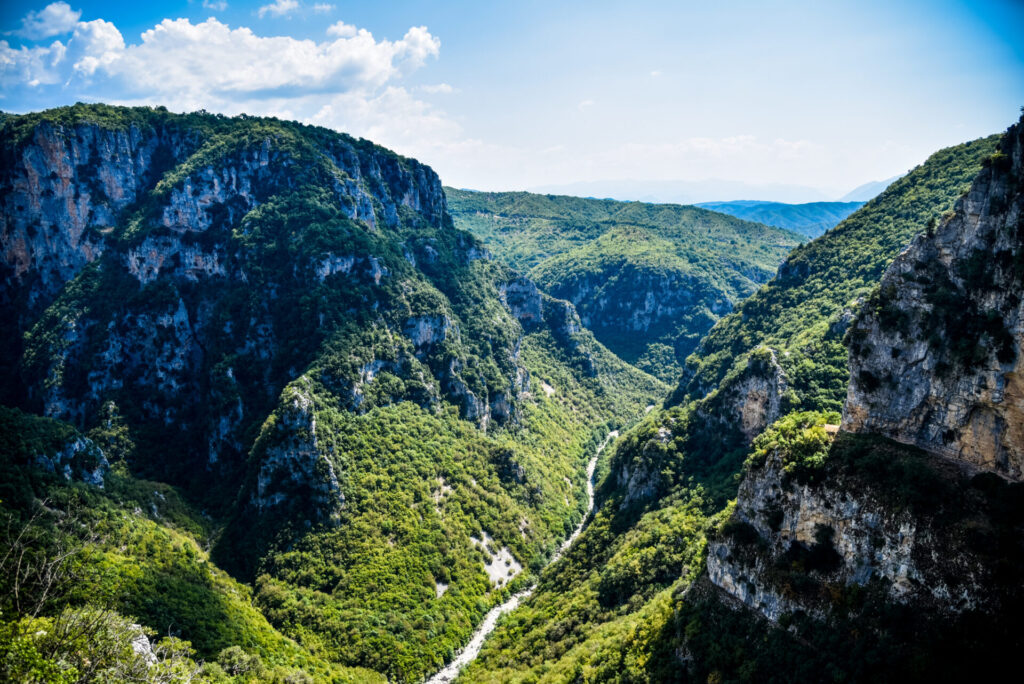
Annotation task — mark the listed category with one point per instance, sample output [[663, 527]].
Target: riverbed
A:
[[490, 621]]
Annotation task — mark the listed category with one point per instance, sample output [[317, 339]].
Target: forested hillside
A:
[[648, 279], [804, 312], [385, 429], [810, 219], [631, 599]]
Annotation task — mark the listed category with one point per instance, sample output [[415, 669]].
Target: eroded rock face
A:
[[523, 300], [640, 301], [751, 401], [936, 358], [152, 315], [79, 459], [292, 470], [790, 540], [64, 191]]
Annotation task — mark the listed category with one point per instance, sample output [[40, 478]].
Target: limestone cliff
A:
[[845, 527], [936, 359], [189, 267]]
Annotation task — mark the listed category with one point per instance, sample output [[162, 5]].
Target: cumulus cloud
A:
[[350, 81], [278, 8], [322, 7], [215, 5], [180, 62], [53, 20], [342, 30]]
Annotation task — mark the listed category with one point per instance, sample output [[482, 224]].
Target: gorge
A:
[[274, 391]]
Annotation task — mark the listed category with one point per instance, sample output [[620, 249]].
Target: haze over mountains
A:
[[811, 219], [709, 190]]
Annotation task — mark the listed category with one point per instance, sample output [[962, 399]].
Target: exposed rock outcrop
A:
[[79, 459], [750, 400], [523, 300], [896, 505], [158, 219], [936, 358], [292, 471]]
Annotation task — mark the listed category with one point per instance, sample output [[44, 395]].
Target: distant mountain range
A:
[[868, 191], [811, 219], [709, 190]]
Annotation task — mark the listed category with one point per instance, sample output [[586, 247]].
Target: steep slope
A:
[[649, 280], [391, 426], [630, 601], [804, 312], [935, 360], [913, 551], [810, 219], [120, 544]]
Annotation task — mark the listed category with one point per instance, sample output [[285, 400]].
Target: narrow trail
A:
[[490, 621]]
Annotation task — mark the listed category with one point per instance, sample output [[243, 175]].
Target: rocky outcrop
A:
[[797, 544], [292, 470], [523, 300], [636, 300], [64, 189], [935, 360], [79, 459], [897, 506], [750, 400], [167, 211]]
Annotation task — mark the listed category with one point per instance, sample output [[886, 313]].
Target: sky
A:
[[518, 95]]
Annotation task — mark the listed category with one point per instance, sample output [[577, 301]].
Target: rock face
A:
[[79, 459], [644, 303], [523, 300], [291, 467], [203, 262], [726, 420], [890, 507], [794, 544], [205, 273], [750, 401], [936, 358], [65, 189]]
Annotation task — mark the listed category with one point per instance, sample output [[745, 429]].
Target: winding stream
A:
[[490, 621]]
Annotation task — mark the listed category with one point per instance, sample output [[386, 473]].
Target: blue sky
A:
[[523, 94]]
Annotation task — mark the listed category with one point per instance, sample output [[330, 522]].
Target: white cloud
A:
[[95, 45], [181, 62], [585, 104], [349, 81], [655, 74], [342, 30], [215, 5], [322, 7], [278, 8], [53, 20]]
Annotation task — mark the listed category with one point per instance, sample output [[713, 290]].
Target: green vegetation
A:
[[599, 612], [867, 636], [76, 560], [800, 438], [648, 279], [684, 461], [810, 219], [801, 312], [417, 487], [347, 397]]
